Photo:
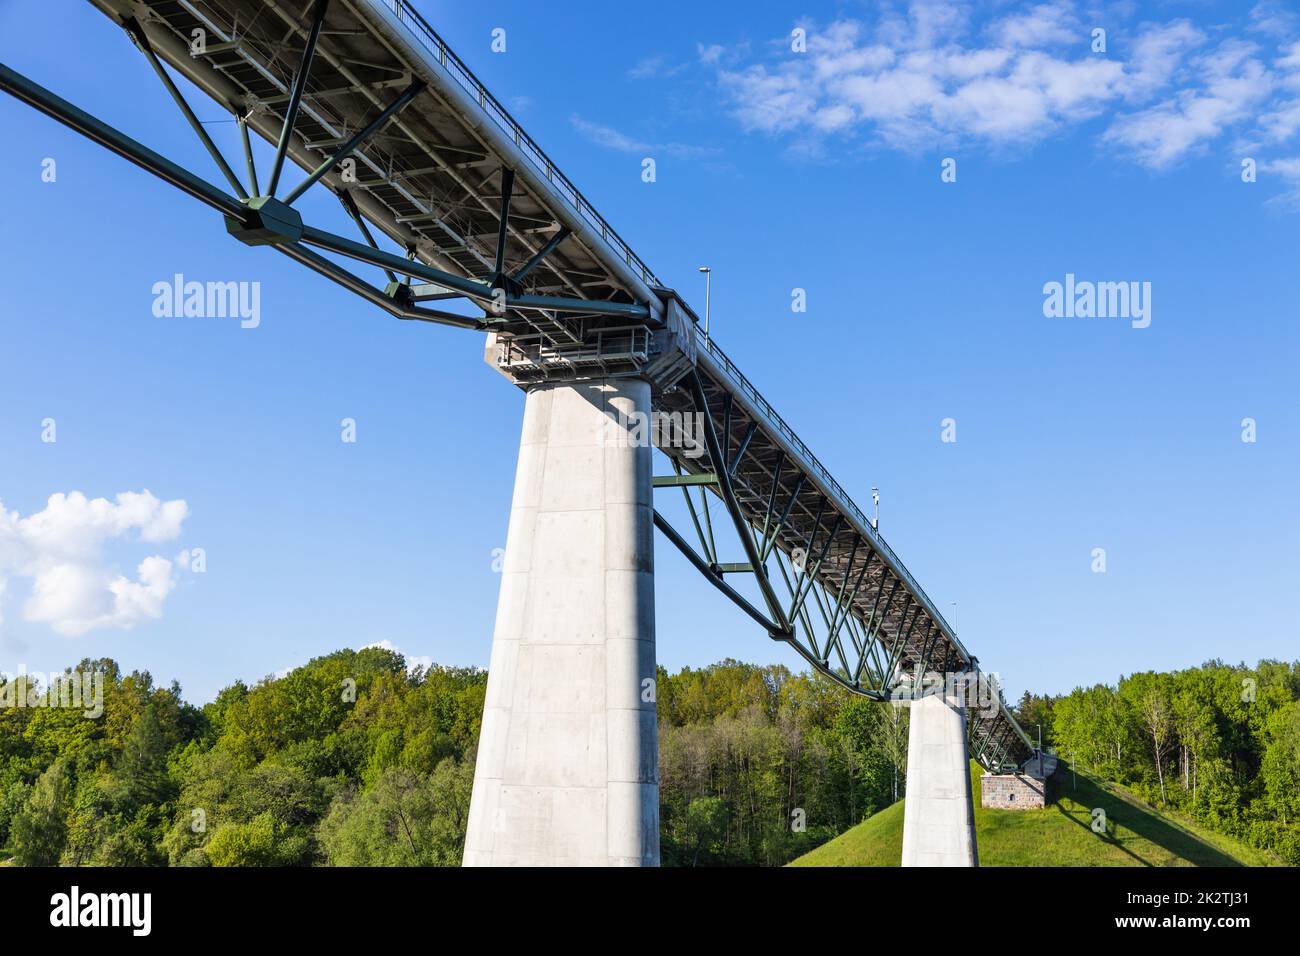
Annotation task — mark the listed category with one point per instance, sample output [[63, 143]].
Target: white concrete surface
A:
[[567, 770], [938, 819]]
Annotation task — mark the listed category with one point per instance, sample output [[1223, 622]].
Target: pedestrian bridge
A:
[[462, 220]]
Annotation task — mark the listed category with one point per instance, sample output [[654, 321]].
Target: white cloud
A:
[[709, 54], [1289, 63], [61, 549], [1286, 169], [611, 138], [1156, 55], [932, 75], [607, 136], [1272, 17], [656, 68], [412, 660], [1045, 23], [1234, 84]]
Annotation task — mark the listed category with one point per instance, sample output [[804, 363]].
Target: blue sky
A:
[[779, 169]]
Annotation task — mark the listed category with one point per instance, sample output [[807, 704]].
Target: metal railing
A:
[[463, 75], [630, 344]]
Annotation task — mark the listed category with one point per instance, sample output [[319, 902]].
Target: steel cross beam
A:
[[248, 153], [802, 634], [295, 94], [348, 148], [712, 576], [350, 205], [60, 109], [267, 221], [137, 34], [507, 188], [718, 458], [541, 254]]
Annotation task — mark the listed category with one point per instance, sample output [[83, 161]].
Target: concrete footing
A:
[[938, 818], [567, 767]]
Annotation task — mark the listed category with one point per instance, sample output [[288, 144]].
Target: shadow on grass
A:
[[1143, 822]]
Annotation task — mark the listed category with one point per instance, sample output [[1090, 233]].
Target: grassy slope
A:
[[1060, 835]]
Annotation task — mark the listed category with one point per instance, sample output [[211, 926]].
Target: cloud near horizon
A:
[[74, 589]]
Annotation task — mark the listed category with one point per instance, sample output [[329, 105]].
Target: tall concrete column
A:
[[567, 770], [938, 816]]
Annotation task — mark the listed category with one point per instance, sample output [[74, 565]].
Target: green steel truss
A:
[[263, 218], [806, 575]]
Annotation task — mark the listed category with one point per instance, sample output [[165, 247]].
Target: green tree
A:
[[1149, 694], [705, 826], [244, 844], [402, 819], [40, 829], [1281, 765]]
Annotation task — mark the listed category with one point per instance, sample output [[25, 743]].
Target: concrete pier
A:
[[938, 817], [567, 767]]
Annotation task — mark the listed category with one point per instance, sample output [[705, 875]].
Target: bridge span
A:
[[455, 204]]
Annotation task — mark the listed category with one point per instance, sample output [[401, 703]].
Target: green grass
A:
[[1058, 835]]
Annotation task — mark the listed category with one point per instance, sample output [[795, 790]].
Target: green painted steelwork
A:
[[263, 220], [675, 481], [333, 271], [266, 222], [728, 494], [60, 109], [248, 155], [541, 254], [295, 95], [346, 150], [137, 34], [350, 204], [503, 226], [713, 576]]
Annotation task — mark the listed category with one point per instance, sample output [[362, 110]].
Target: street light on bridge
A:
[[708, 288]]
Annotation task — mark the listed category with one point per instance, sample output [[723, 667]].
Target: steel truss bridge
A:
[[369, 102]]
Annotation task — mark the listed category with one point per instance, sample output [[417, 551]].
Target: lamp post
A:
[[875, 500], [708, 289]]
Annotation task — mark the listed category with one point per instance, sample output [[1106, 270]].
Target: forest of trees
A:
[[758, 765], [348, 760], [1219, 743], [353, 759]]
